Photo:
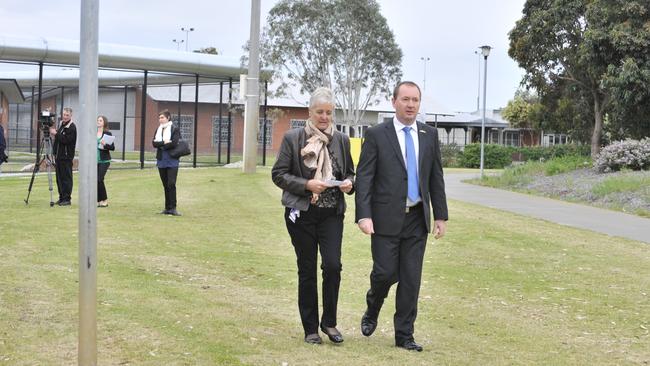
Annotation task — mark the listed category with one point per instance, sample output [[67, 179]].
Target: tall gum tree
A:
[[580, 43], [342, 44]]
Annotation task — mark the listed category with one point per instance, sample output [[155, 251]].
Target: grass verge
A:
[[218, 285]]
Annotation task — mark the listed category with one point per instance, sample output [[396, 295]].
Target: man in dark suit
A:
[[65, 140], [399, 182]]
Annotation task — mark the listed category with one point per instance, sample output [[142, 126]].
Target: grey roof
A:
[[9, 87]]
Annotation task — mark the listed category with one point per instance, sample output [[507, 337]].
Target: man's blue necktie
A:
[[411, 166]]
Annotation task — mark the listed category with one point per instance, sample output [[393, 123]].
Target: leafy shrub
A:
[[451, 154], [495, 156], [630, 154], [565, 164], [537, 153]]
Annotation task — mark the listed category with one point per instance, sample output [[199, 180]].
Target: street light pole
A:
[[478, 87], [424, 84], [485, 51], [178, 43], [187, 32]]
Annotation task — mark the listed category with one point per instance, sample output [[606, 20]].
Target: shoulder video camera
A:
[[46, 120]]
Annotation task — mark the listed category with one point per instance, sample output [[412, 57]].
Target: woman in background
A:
[[103, 159], [167, 137]]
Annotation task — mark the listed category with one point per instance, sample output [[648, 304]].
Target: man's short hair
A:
[[406, 82], [67, 109]]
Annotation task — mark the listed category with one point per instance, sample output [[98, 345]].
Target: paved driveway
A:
[[608, 222]]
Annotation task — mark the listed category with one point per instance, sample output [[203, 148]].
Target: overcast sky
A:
[[448, 32]]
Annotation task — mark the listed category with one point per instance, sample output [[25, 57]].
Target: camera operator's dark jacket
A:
[[3, 146], [65, 141]]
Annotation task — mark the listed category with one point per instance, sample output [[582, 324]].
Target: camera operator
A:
[[65, 139], [3, 146]]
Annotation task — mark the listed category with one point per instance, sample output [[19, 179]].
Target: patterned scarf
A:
[[315, 154]]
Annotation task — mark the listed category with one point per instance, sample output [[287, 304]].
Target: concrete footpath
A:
[[608, 222]]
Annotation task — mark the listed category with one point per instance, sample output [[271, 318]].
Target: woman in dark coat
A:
[[314, 168], [166, 138]]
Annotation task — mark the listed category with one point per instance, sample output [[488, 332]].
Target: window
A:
[[297, 123], [186, 125], [220, 131], [511, 138], [554, 139], [269, 132]]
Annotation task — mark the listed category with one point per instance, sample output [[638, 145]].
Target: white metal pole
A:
[[483, 121], [252, 92], [87, 132]]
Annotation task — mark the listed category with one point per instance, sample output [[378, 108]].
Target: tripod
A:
[[46, 154]]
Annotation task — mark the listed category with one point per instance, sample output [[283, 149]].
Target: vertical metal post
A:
[[196, 116], [17, 120], [478, 91], [266, 100], [31, 119], [88, 95], [252, 112], [62, 104], [483, 120], [38, 111], [180, 93], [126, 92], [229, 119], [220, 121], [143, 117]]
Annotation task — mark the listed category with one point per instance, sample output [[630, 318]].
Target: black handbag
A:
[[182, 148]]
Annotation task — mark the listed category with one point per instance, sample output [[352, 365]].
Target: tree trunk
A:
[[598, 126]]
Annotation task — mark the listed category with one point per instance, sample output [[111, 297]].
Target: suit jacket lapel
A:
[[391, 135], [423, 141], [302, 137]]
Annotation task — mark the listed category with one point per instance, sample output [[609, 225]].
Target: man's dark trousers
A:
[[64, 179], [399, 259]]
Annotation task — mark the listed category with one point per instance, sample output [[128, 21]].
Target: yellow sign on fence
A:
[[355, 149]]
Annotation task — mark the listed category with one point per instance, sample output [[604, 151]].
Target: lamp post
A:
[[178, 43], [187, 32], [485, 51], [424, 84], [478, 87]]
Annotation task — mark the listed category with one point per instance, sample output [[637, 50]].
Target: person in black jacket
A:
[[103, 159], [165, 138], [65, 140], [399, 182], [3, 146], [314, 168]]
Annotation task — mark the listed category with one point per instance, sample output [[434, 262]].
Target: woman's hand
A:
[[166, 141], [346, 186], [316, 186]]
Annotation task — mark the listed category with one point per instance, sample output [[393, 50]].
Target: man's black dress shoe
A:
[[368, 324], [313, 338], [332, 333], [163, 212], [410, 346], [64, 203], [173, 212]]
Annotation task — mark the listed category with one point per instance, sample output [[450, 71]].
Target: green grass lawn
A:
[[18, 160], [217, 286]]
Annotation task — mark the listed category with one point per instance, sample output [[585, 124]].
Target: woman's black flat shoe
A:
[[313, 338], [333, 334]]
